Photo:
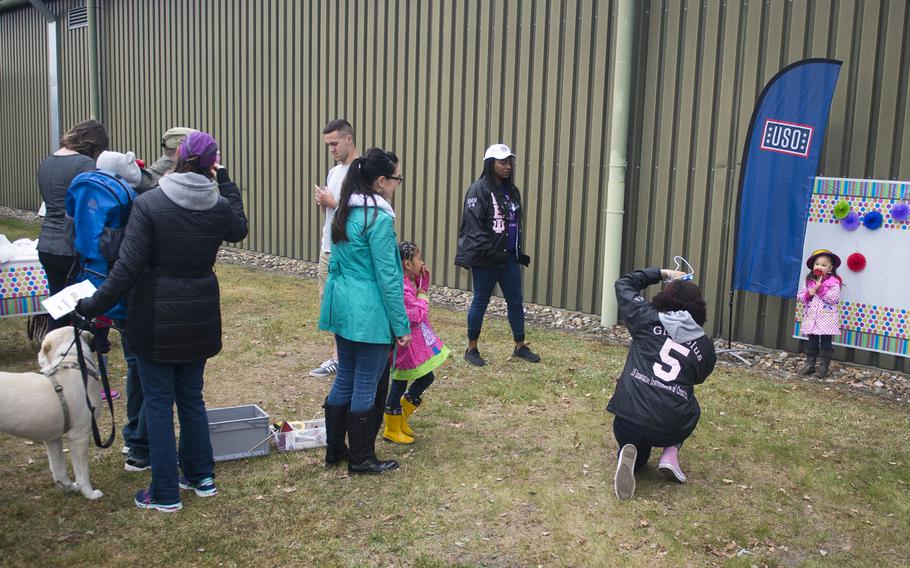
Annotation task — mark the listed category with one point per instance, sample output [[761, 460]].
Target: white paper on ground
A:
[[64, 301]]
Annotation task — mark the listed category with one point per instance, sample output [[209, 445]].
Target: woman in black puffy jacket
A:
[[166, 265]]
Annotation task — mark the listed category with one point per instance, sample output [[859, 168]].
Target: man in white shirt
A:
[[338, 135]]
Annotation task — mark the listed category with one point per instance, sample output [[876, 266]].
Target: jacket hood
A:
[[680, 326], [190, 190], [361, 200]]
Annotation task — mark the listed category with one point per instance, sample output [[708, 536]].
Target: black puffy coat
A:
[[166, 265], [656, 388], [483, 237]]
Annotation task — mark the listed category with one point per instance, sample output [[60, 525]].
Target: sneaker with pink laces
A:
[[669, 465]]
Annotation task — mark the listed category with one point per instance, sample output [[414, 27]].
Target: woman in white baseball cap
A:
[[490, 246]]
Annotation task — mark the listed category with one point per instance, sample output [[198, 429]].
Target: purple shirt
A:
[[512, 209]]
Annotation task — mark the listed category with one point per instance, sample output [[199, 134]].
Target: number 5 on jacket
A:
[[670, 375]]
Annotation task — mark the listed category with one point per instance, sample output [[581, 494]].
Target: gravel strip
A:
[[782, 364]]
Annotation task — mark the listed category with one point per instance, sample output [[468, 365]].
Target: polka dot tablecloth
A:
[[23, 285]]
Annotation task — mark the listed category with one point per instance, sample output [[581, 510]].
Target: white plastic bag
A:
[[311, 434]]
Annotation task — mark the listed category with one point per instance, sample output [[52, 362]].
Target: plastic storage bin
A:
[[239, 432]]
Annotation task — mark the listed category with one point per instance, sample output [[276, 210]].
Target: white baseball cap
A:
[[498, 151]]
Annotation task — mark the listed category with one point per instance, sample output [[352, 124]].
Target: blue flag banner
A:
[[780, 161]]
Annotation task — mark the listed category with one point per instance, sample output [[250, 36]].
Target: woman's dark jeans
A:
[[485, 278], [56, 268], [644, 439], [163, 385], [135, 433], [398, 388]]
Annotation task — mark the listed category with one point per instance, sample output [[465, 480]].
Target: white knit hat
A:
[[123, 165]]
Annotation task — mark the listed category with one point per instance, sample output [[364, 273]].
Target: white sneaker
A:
[[624, 480], [327, 368]]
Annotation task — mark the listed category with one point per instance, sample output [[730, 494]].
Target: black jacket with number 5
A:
[[670, 353]]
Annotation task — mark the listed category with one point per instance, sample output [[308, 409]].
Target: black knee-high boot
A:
[[336, 426], [382, 392], [362, 436]]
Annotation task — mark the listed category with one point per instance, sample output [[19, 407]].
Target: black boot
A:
[[362, 455], [809, 367], [824, 363], [336, 426], [382, 392]]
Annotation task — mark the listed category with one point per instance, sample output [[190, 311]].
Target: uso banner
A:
[[780, 160]]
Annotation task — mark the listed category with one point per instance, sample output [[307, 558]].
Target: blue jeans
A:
[[164, 384], [509, 279], [135, 433], [360, 365]]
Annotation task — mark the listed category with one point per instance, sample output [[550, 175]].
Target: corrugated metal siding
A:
[[701, 67], [23, 106], [435, 82], [438, 81]]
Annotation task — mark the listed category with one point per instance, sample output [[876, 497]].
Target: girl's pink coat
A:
[[417, 351], [821, 315]]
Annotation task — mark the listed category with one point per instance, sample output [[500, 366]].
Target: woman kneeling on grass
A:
[[654, 401]]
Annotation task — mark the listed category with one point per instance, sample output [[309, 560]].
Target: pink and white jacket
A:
[[821, 315], [426, 351]]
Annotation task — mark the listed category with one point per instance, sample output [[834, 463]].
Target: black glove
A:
[[524, 260], [86, 309], [221, 176]]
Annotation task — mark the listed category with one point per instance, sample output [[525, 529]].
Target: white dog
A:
[[31, 408]]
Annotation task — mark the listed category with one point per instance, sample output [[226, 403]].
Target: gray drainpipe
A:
[[53, 72], [616, 183], [94, 77]]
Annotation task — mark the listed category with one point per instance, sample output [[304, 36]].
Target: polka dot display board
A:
[[880, 320], [26, 279], [876, 320], [821, 210]]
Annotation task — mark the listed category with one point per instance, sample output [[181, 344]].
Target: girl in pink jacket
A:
[[415, 361], [820, 295]]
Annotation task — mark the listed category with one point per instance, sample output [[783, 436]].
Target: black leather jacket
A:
[[483, 237]]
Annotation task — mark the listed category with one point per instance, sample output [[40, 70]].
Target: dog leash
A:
[[107, 391]]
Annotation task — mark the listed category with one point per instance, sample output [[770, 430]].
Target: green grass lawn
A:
[[513, 466]]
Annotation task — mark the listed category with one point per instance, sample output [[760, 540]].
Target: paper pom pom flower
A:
[[900, 211], [841, 209], [851, 221], [872, 220], [856, 262]]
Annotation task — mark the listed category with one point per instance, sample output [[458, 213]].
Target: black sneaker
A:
[[136, 464], [524, 352], [473, 357]]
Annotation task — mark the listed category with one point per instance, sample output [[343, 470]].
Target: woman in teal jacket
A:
[[363, 305]]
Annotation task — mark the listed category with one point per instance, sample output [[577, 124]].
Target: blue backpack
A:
[[98, 205]]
